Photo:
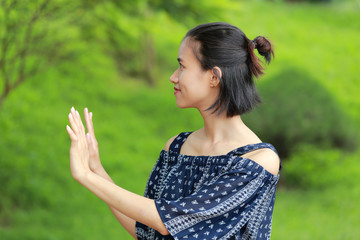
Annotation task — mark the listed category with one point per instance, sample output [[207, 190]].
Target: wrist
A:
[[98, 169], [83, 177], [95, 163]]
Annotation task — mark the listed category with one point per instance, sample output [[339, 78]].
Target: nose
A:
[[174, 78]]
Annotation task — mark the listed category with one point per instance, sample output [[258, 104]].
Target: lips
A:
[[176, 90]]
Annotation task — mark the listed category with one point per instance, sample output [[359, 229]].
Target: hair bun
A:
[[264, 48], [255, 44]]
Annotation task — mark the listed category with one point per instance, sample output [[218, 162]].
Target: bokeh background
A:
[[115, 57]]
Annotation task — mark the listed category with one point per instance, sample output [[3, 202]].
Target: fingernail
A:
[[86, 110], [77, 113], [88, 136], [72, 108], [70, 115]]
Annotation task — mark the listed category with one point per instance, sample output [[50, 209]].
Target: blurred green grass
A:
[[133, 122]]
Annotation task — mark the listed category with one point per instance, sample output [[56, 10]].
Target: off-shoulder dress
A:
[[211, 197]]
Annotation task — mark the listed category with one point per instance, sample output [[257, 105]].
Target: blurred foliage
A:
[[298, 110], [91, 53], [126, 29], [36, 34], [31, 40], [312, 167], [309, 1]]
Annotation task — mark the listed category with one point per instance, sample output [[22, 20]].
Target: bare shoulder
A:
[[267, 158], [168, 143]]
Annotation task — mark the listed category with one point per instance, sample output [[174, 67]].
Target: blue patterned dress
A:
[[210, 197]]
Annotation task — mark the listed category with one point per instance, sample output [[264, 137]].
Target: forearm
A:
[[126, 222], [131, 205], [84, 158], [99, 170]]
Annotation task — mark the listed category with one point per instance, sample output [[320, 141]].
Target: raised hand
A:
[[95, 163], [79, 150], [86, 169]]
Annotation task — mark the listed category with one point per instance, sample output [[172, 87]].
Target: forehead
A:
[[186, 52]]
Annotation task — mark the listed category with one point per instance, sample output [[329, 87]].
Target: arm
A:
[[97, 168], [128, 206], [133, 206], [126, 222]]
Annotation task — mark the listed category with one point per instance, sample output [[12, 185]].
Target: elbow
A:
[[164, 232], [162, 229], [157, 222]]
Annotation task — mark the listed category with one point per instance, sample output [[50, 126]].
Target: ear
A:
[[215, 76]]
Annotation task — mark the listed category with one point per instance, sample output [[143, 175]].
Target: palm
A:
[[79, 150], [84, 150], [93, 144], [94, 160]]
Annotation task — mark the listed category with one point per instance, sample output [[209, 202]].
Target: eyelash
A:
[[181, 66]]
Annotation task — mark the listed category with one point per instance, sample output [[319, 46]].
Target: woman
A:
[[215, 183]]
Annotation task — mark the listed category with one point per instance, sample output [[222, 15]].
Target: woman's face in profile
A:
[[191, 82]]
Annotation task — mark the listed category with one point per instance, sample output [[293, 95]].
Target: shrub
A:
[[313, 167], [298, 110]]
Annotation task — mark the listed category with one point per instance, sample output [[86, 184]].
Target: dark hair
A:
[[226, 46]]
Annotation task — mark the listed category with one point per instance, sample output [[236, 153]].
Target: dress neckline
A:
[[181, 138]]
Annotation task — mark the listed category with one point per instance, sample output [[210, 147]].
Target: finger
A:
[[88, 137], [94, 153], [92, 124], [93, 132], [77, 120], [71, 133], [87, 121], [89, 140], [91, 127], [80, 122], [91, 148], [73, 125]]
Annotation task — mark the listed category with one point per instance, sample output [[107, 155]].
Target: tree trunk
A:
[[149, 59], [3, 96]]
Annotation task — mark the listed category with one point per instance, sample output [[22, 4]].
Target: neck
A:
[[220, 127]]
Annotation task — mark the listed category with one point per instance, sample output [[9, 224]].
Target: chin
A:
[[181, 105]]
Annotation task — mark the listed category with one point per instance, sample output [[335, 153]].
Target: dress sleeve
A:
[[219, 209]]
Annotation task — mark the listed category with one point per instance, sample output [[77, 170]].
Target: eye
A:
[[181, 67]]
